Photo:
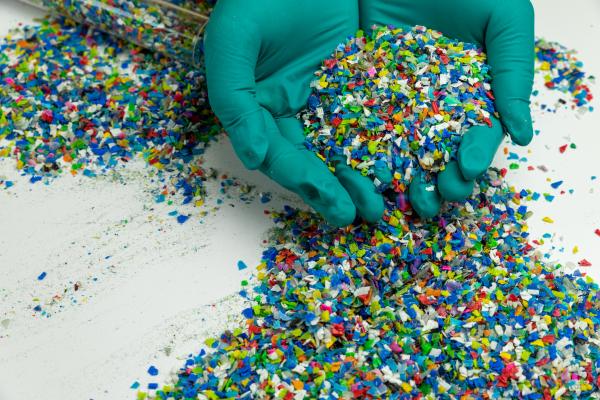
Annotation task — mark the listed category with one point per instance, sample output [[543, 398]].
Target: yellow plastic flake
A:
[[558, 294], [406, 387], [548, 220], [586, 387]]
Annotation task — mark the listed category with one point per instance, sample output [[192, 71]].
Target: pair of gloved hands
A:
[[261, 56]]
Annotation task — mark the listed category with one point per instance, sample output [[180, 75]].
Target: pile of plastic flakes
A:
[[397, 99], [74, 99], [563, 72], [459, 306]]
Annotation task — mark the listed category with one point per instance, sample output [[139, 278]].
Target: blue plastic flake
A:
[[182, 218], [241, 265]]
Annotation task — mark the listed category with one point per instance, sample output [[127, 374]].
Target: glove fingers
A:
[[369, 203], [231, 53], [314, 183], [424, 197], [509, 42], [452, 186], [383, 173], [291, 165], [477, 149]]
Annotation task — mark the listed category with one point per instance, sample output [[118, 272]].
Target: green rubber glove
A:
[[504, 28], [261, 56]]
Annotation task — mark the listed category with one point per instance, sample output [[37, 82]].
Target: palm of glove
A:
[[505, 30], [260, 59]]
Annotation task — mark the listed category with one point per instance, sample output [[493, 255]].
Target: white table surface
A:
[[160, 294]]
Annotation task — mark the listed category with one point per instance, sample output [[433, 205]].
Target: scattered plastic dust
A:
[[183, 333], [119, 270]]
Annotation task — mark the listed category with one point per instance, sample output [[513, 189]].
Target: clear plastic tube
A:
[[172, 27]]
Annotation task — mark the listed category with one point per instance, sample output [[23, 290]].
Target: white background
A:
[[167, 286]]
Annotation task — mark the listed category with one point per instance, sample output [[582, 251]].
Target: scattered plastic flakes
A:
[[406, 307], [135, 385], [585, 263], [241, 265], [563, 72], [41, 276], [548, 220], [563, 148], [399, 99], [556, 185], [597, 232], [79, 101], [460, 306], [152, 370]]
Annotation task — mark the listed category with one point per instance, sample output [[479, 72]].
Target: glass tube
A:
[[172, 27]]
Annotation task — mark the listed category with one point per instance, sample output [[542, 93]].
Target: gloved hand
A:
[[504, 28], [261, 56]]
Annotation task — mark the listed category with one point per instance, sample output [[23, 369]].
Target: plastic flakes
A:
[[79, 101], [399, 99], [460, 306], [167, 27], [563, 72]]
